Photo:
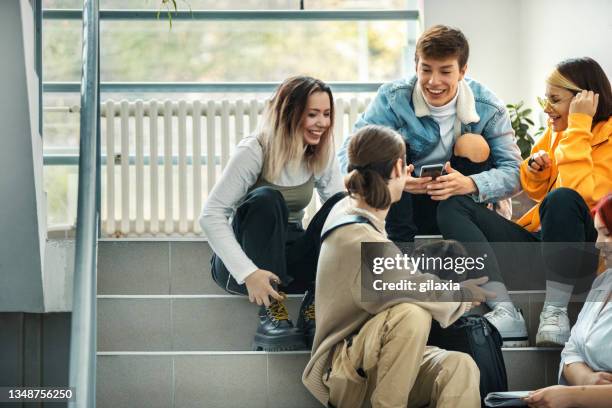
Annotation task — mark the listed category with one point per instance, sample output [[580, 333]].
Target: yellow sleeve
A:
[[535, 183], [573, 156]]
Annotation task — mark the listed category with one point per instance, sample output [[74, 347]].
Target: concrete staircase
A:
[[169, 337]]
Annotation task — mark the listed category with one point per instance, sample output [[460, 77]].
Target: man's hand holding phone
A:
[[416, 185], [451, 184]]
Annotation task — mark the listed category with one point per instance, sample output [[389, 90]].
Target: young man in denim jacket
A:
[[433, 111]]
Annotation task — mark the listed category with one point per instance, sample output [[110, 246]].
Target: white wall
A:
[[553, 30], [22, 206], [515, 43], [492, 31]]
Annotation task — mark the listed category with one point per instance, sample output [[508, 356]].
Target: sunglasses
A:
[[544, 102]]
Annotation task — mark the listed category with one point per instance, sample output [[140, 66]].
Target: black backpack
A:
[[474, 335]]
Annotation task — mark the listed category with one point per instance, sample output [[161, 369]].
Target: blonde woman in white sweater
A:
[[252, 217]]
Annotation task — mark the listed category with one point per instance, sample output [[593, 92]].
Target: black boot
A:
[[276, 332], [306, 321]]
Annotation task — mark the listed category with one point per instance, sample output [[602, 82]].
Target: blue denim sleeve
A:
[[503, 180], [379, 112]]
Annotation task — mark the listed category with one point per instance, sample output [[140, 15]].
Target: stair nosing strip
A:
[[258, 353], [154, 239], [228, 296], [196, 353]]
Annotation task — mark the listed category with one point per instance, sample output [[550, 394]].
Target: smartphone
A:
[[432, 170]]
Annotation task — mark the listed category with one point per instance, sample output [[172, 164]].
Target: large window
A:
[[209, 51]]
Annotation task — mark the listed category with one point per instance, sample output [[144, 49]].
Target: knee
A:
[[449, 209], [408, 319], [266, 200], [562, 198], [473, 147], [460, 365]]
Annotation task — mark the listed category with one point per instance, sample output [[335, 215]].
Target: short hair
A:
[[445, 248], [440, 41], [604, 210]]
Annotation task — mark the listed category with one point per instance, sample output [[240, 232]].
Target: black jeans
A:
[[416, 214], [564, 250], [262, 229]]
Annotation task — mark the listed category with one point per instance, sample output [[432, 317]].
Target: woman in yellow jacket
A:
[[569, 170]]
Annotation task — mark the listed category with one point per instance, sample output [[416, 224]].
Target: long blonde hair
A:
[[280, 133]]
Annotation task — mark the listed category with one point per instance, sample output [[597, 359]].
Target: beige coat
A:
[[340, 310]]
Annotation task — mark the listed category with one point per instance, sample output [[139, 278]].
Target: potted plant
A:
[[521, 123]]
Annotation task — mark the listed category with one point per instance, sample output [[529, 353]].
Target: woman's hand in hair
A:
[[584, 102], [259, 287], [416, 185], [451, 184]]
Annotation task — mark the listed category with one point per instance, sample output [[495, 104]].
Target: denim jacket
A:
[[394, 106]]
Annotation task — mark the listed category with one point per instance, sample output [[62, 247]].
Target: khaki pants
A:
[[389, 364]]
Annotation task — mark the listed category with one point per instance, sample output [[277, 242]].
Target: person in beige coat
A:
[[370, 350]]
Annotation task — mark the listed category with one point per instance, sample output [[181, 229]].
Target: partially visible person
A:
[[437, 254], [569, 170], [585, 371], [434, 111], [263, 190], [372, 350]]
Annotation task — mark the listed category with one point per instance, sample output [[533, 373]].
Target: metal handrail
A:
[[83, 335]]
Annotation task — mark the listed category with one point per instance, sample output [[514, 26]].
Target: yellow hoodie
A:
[[581, 160]]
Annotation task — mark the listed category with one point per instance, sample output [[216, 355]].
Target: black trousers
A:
[[563, 251], [262, 229], [416, 214]]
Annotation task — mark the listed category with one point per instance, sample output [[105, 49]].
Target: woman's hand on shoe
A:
[[584, 102], [477, 295], [539, 161], [259, 287], [451, 184], [416, 185]]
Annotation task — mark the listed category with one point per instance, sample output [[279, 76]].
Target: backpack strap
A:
[[345, 220]]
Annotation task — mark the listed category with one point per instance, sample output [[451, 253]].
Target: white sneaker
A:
[[511, 325], [554, 328]]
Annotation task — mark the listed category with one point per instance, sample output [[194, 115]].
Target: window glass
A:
[[231, 51], [181, 4]]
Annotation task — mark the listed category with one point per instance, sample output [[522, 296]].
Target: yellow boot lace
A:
[[277, 309], [309, 313]]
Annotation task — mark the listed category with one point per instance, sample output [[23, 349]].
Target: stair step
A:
[[208, 322], [167, 267], [196, 379], [155, 268]]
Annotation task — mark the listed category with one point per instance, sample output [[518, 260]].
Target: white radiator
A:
[[163, 158]]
